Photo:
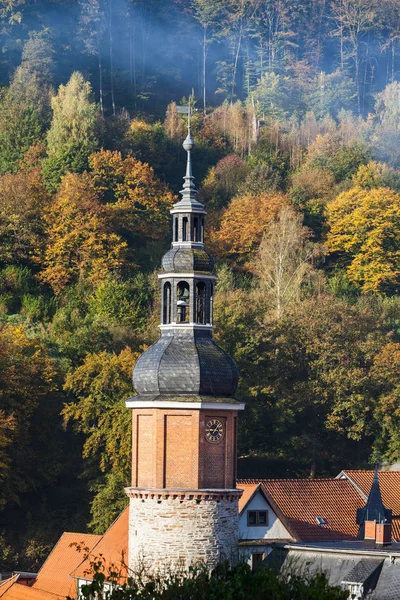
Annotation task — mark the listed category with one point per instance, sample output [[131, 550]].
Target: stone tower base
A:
[[171, 530]]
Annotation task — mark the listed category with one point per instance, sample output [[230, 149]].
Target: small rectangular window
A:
[[256, 559], [252, 517], [262, 517], [257, 517]]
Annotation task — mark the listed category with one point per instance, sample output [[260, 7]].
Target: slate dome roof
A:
[[186, 260], [185, 365]]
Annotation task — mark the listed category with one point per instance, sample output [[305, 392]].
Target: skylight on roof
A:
[[320, 520]]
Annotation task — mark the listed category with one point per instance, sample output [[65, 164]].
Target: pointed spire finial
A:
[[189, 191]]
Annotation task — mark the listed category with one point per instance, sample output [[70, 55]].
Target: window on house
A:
[[256, 559], [257, 517]]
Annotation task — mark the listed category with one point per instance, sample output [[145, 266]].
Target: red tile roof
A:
[[389, 482], [248, 491], [396, 529], [7, 583], [111, 549], [66, 554], [16, 591], [298, 502]]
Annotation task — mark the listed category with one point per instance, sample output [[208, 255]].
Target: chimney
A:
[[374, 519], [383, 534]]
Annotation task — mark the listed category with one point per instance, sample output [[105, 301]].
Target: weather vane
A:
[[186, 110]]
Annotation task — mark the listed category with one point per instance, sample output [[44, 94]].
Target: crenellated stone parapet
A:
[[184, 494]]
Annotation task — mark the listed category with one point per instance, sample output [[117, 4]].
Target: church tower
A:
[[183, 501]]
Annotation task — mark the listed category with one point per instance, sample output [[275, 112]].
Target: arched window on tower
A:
[[211, 304], [167, 303], [201, 303], [202, 230], [176, 229], [183, 302], [196, 236], [184, 229]]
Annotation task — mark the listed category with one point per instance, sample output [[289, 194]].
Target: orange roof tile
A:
[[54, 576], [298, 502], [7, 583], [22, 592], [396, 529], [248, 491], [389, 482], [112, 549]]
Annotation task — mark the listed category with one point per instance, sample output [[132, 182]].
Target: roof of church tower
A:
[[189, 192], [186, 361]]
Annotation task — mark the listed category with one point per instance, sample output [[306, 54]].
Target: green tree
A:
[[25, 107], [30, 406], [223, 583], [101, 385], [73, 134]]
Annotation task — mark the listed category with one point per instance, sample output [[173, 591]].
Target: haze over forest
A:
[[297, 159]]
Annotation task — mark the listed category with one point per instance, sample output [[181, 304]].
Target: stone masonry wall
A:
[[172, 530]]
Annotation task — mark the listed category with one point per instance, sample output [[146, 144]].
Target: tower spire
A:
[[189, 191]]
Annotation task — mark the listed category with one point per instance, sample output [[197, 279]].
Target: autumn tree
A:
[[81, 243], [73, 135], [364, 234], [23, 200], [284, 260], [101, 385], [136, 202], [243, 224]]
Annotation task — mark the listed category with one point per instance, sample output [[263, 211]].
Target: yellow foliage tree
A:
[[23, 198], [81, 243], [136, 200], [364, 227], [243, 224]]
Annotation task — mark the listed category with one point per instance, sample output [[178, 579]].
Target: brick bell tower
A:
[[183, 501]]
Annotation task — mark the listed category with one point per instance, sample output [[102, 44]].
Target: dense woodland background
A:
[[297, 161]]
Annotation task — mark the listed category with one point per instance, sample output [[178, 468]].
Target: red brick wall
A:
[[180, 452], [169, 449]]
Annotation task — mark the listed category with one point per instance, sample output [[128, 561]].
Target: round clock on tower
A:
[[183, 501]]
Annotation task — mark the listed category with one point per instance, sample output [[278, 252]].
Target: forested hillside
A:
[[297, 160]]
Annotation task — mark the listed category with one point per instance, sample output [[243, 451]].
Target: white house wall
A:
[[274, 530]]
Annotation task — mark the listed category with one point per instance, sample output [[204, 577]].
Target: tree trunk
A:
[[204, 66], [111, 58], [100, 76], [235, 64]]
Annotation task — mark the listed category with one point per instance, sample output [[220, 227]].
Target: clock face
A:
[[214, 430]]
